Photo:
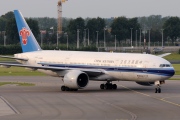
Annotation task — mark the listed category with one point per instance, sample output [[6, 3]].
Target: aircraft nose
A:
[[173, 71]]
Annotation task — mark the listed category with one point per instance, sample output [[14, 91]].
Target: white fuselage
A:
[[116, 66]]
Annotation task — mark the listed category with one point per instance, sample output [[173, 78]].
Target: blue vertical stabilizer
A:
[[27, 39]]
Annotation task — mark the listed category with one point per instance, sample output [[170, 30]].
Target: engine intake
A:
[[76, 79]]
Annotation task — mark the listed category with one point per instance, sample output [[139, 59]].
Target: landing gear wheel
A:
[[156, 90], [106, 86], [63, 88], [75, 89], [67, 89], [102, 86], [114, 86], [159, 90], [110, 86]]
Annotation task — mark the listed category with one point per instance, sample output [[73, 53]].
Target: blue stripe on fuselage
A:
[[156, 71]]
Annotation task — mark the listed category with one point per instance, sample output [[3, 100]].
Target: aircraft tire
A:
[[110, 86], [114, 86], [156, 90], [102, 86], [63, 88], [67, 89], [159, 90], [106, 86]]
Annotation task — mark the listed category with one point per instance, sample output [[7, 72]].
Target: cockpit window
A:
[[165, 65]]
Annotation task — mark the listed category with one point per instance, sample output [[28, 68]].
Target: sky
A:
[[93, 8]]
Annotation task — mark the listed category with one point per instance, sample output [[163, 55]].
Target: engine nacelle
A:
[[76, 79], [145, 83]]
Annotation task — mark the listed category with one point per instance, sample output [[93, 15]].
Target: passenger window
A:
[[121, 61]]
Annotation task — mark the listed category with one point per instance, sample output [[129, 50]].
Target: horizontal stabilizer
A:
[[165, 54]]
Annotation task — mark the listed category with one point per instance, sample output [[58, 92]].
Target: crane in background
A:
[[59, 19]]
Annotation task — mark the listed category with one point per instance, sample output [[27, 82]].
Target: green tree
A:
[[96, 24], [9, 15], [12, 32], [74, 25], [133, 23], [120, 28], [2, 24], [172, 28], [33, 24]]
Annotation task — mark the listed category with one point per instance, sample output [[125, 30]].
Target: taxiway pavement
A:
[[130, 101]]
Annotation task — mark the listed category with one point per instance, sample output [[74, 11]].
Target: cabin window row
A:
[[131, 62]]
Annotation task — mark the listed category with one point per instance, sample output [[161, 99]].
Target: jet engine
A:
[[76, 79], [145, 83]]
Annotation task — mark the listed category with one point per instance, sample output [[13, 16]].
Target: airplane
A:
[[78, 68]]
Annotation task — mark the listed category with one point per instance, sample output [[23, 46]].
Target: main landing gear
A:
[[64, 88], [108, 86]]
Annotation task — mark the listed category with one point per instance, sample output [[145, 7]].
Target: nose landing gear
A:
[[158, 87]]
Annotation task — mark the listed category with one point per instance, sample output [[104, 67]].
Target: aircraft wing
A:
[[23, 59], [165, 54], [92, 72]]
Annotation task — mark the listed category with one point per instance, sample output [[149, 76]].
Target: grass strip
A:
[[18, 71], [173, 56], [177, 68], [16, 83]]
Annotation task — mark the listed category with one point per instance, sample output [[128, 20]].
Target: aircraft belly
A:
[[142, 77], [116, 75], [129, 76]]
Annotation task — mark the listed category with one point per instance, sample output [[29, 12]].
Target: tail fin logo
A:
[[25, 34]]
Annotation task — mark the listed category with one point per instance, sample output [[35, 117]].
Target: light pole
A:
[[41, 38], [131, 36], [85, 37], [144, 38], [140, 38], [115, 42], [162, 37], [78, 38], [136, 38], [57, 39], [88, 36], [104, 37], [97, 39], [149, 38], [4, 36], [67, 44]]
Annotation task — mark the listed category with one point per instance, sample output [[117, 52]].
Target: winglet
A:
[[27, 39]]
